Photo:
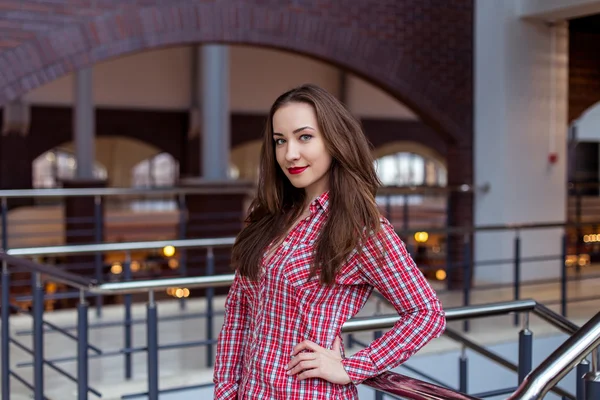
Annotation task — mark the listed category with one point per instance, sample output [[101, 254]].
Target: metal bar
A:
[[494, 393], [24, 383], [592, 386], [210, 292], [517, 273], [152, 335], [406, 387], [5, 331], [4, 224], [563, 277], [561, 361], [52, 365], [466, 278], [525, 353], [98, 228], [82, 349], [405, 213], [70, 335], [38, 335], [145, 285], [555, 319], [458, 337], [127, 331], [124, 246], [452, 314], [183, 218], [56, 273], [463, 373], [224, 187], [582, 369]]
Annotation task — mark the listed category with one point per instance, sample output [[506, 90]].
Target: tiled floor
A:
[[181, 367]]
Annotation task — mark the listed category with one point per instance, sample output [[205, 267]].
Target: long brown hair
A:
[[353, 183]]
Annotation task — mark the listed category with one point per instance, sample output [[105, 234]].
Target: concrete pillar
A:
[[216, 140], [84, 124], [520, 121]]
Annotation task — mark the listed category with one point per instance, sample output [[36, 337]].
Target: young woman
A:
[[313, 250]]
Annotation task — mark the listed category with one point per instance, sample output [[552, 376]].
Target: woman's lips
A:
[[295, 171]]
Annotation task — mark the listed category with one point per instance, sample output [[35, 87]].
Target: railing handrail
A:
[[380, 322], [121, 246], [220, 187], [574, 350], [229, 241], [209, 187], [413, 389]]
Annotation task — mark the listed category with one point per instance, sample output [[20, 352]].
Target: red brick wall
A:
[[419, 51], [584, 65]]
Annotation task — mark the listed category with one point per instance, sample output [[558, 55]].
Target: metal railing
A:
[[576, 348]]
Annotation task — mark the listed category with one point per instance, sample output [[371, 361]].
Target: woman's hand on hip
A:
[[318, 362]]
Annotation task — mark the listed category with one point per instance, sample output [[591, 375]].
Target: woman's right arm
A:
[[230, 346]]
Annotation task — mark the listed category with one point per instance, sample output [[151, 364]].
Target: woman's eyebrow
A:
[[295, 131]]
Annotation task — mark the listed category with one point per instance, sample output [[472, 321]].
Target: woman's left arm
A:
[[385, 264]]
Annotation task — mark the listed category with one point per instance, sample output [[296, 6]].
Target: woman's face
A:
[[300, 149]]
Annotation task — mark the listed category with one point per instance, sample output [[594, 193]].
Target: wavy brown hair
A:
[[353, 183]]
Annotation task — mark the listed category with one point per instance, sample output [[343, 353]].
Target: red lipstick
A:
[[298, 170]]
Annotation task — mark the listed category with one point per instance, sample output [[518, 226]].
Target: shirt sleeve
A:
[[230, 346], [386, 265]]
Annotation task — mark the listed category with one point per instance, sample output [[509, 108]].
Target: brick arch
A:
[[421, 55]]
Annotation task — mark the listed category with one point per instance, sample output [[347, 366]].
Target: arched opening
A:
[[57, 165]]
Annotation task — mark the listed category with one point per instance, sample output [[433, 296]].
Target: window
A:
[[56, 165], [157, 171], [410, 169]]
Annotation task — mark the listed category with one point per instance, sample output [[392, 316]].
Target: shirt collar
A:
[[321, 202]]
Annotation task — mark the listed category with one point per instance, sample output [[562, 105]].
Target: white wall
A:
[[516, 126], [161, 79]]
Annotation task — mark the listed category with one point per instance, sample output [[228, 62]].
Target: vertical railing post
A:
[[38, 335], [525, 349], [378, 394], [467, 276], [517, 271], [592, 378], [98, 228], [388, 207], [582, 369], [152, 337], [128, 319], [4, 224], [405, 220], [578, 230], [82, 348], [182, 235], [5, 331], [210, 270], [463, 371], [563, 277]]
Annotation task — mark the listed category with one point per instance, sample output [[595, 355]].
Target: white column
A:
[[216, 140], [84, 124], [520, 118]]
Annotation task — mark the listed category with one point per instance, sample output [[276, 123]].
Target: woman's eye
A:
[[305, 138], [279, 141]]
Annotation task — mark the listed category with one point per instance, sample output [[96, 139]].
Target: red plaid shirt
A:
[[264, 320]]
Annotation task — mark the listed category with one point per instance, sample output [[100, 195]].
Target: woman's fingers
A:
[[306, 345], [299, 358], [304, 365]]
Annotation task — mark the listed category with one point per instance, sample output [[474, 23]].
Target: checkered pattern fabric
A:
[[265, 319]]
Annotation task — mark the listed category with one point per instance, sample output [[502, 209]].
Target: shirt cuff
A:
[[226, 391], [360, 367]]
